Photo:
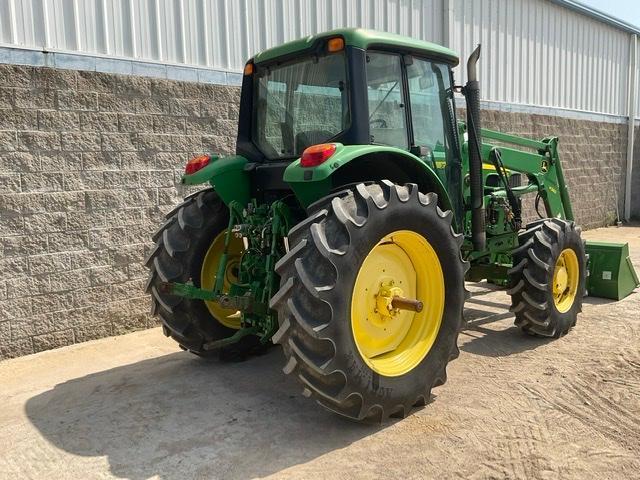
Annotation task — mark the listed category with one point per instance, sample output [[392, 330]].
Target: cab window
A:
[[387, 112], [429, 87]]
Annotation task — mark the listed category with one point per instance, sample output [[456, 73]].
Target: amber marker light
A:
[[248, 69], [335, 44]]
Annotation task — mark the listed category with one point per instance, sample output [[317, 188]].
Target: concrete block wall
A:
[[635, 182], [90, 163], [593, 156]]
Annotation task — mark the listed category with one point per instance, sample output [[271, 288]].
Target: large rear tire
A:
[[187, 248], [548, 279], [351, 358]]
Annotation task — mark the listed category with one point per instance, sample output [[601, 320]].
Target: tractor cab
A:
[[343, 87]]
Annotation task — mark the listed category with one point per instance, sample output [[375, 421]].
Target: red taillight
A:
[[197, 163], [317, 154]]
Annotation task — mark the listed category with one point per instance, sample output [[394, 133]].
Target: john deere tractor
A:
[[352, 213]]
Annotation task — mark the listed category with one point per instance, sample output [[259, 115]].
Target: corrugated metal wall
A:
[[220, 34], [638, 79], [539, 53], [534, 52]]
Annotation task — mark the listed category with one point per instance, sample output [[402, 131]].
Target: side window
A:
[[428, 82], [387, 117]]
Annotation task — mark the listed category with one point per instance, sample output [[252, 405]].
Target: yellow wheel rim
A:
[[566, 276], [391, 341], [228, 318]]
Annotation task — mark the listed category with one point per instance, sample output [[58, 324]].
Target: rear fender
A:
[[359, 163], [227, 176]]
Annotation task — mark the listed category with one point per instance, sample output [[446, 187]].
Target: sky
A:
[[627, 10]]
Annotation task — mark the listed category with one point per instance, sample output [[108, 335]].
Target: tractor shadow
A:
[[177, 416], [490, 331]]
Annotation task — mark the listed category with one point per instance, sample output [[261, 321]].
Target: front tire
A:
[[332, 337], [548, 279]]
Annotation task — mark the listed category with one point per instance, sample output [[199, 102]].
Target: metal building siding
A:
[[535, 52], [219, 34]]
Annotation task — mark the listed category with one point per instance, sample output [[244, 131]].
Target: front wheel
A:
[[351, 325], [549, 277]]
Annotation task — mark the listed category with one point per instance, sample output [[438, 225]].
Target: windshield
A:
[[300, 104]]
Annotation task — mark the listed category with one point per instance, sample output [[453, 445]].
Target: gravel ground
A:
[[514, 407]]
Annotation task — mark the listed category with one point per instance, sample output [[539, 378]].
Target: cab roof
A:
[[361, 38]]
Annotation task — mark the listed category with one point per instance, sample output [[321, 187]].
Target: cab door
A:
[[429, 84]]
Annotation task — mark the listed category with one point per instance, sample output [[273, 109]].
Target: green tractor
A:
[[352, 213]]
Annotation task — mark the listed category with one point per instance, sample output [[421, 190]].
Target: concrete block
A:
[[68, 241], [95, 81], [168, 124], [84, 333], [8, 141], [42, 182], [24, 119], [23, 245], [166, 88], [59, 161], [31, 98], [119, 142], [49, 263], [33, 285], [185, 107], [98, 122], [15, 308], [11, 224], [152, 105], [84, 180], [81, 142], [14, 267], [135, 123], [108, 102], [38, 141], [74, 100], [54, 79], [130, 85], [9, 183], [16, 348], [53, 340], [16, 75]]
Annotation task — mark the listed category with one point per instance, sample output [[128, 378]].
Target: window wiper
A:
[[383, 100]]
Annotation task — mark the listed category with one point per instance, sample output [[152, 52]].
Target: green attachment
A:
[[611, 273]]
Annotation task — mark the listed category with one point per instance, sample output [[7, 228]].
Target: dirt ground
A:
[[514, 407]]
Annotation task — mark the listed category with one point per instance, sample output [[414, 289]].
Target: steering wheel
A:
[[378, 121]]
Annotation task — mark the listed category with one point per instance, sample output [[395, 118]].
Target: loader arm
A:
[[541, 165]]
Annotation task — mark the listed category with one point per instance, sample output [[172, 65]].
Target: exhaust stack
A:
[[472, 96]]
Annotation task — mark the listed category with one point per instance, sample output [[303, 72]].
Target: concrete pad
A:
[[514, 407]]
